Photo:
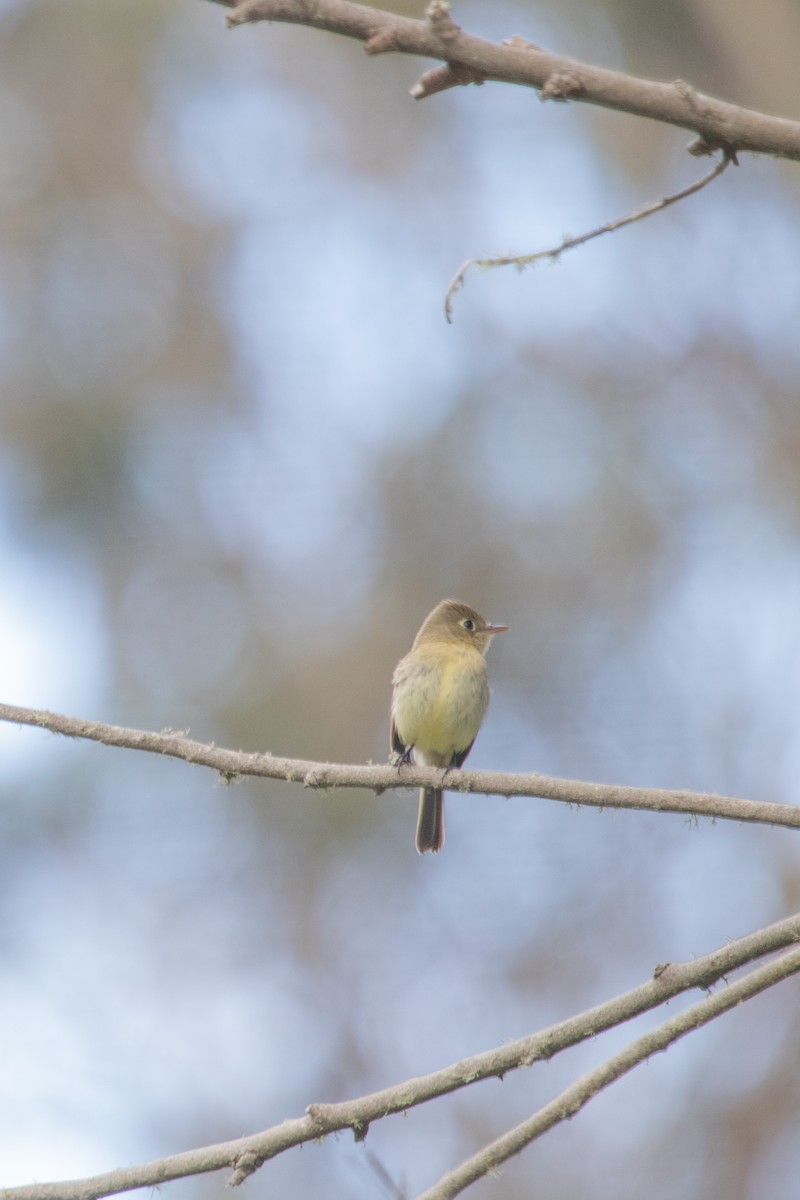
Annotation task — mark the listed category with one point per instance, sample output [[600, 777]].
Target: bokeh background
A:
[[242, 455]]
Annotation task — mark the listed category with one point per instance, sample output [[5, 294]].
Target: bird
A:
[[440, 693]]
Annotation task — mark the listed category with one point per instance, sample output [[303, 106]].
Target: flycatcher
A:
[[440, 697]]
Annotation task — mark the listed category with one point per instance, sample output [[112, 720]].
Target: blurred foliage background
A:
[[242, 455]]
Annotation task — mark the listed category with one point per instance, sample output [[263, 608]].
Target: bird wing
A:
[[395, 741], [459, 757]]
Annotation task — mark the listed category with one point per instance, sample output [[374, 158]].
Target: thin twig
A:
[[569, 243], [246, 1155], [324, 776]]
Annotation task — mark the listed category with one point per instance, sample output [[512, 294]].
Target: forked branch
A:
[[246, 1155]]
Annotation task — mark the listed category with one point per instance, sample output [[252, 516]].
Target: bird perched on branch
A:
[[440, 697]]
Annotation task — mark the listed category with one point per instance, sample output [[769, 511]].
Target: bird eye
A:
[[468, 623]]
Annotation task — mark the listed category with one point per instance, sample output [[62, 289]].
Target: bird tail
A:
[[430, 823]]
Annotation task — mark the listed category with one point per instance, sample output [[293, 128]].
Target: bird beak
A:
[[497, 629]]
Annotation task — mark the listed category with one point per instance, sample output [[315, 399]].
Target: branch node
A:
[[381, 42], [245, 11], [244, 1165], [317, 1115], [695, 100], [519, 43], [691, 97], [441, 78], [704, 145], [437, 14], [360, 1130], [562, 85]]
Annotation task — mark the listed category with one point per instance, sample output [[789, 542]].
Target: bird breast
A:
[[439, 703]]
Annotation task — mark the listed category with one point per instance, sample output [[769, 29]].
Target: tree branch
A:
[[578, 1094], [245, 1155], [717, 124], [323, 776]]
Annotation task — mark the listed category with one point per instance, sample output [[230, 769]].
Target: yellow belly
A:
[[440, 700]]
